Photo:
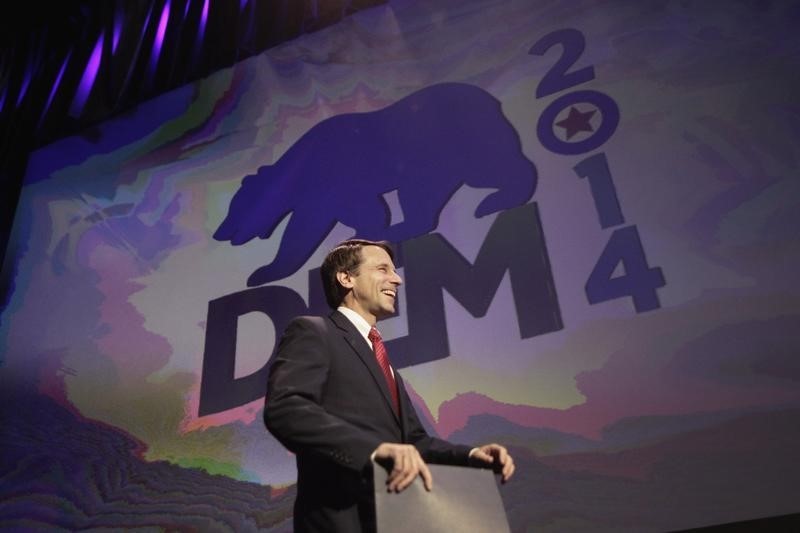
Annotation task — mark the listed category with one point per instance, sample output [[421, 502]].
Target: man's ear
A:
[[345, 279]]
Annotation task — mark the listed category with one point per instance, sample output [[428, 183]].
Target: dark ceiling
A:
[[67, 65]]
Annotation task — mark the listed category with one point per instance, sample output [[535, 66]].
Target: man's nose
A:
[[397, 279]]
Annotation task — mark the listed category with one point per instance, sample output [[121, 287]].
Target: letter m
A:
[[515, 244]]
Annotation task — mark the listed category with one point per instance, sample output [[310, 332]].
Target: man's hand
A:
[[406, 464], [498, 457]]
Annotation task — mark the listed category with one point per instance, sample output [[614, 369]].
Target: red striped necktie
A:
[[383, 361]]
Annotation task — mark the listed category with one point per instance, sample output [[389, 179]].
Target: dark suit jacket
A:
[[328, 402]]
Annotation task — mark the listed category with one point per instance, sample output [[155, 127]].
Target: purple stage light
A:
[[159, 40], [26, 81], [88, 78], [144, 28], [201, 30], [146, 22], [54, 88], [204, 17], [118, 20]]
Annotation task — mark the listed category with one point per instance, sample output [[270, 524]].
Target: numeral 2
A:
[[557, 78]]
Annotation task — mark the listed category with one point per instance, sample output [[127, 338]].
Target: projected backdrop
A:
[[595, 209]]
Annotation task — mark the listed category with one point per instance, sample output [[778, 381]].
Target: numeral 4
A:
[[639, 280]]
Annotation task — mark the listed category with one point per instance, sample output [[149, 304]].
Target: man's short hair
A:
[[345, 257]]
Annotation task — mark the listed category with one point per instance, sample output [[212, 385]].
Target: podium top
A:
[[462, 499]]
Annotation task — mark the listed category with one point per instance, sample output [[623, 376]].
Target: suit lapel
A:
[[365, 354], [405, 402]]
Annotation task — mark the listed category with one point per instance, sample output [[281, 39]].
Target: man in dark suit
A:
[[333, 400]]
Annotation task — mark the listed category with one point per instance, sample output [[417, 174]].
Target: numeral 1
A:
[[595, 169]]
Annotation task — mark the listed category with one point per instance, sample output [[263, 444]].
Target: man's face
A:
[[374, 287]]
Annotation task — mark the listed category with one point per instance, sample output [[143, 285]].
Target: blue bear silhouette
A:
[[425, 146]]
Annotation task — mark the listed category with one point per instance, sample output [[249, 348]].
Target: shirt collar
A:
[[361, 325], [358, 321]]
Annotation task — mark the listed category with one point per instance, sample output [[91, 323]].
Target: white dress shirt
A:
[[361, 325]]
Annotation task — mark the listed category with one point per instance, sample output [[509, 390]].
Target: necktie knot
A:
[[373, 335]]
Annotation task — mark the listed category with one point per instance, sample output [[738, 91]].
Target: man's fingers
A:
[[427, 478], [508, 469], [497, 456], [399, 464], [407, 464], [418, 468], [483, 456], [398, 472], [502, 454], [400, 467], [409, 471], [505, 461], [406, 479]]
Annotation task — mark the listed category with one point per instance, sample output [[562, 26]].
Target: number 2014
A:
[[639, 280]]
